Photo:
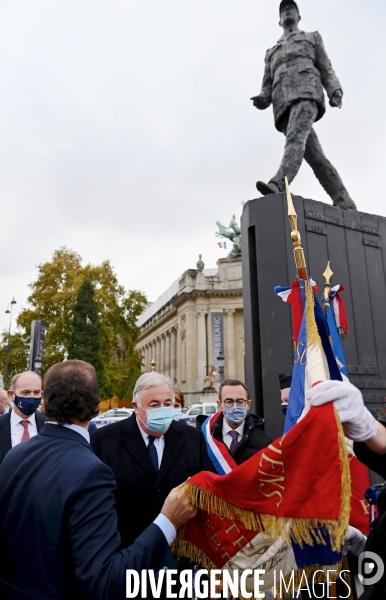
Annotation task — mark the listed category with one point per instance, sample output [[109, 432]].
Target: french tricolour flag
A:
[[222, 245]]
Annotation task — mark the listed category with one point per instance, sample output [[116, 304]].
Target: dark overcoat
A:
[[141, 491], [58, 524]]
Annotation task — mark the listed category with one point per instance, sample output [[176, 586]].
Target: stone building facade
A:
[[198, 315]]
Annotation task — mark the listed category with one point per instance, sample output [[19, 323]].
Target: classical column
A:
[[148, 359], [230, 353], [158, 355], [173, 354], [201, 346], [182, 342], [162, 355], [167, 354]]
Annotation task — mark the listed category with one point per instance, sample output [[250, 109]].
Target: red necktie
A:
[[26, 436]]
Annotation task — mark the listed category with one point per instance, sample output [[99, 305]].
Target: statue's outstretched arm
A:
[[329, 79], [264, 99]]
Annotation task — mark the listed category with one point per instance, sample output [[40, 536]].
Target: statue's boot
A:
[[344, 202], [267, 188]]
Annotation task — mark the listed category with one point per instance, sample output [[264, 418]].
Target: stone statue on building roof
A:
[[232, 233]]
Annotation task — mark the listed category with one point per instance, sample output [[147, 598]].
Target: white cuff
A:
[[166, 527]]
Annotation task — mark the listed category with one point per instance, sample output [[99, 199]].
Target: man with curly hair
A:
[[58, 522]]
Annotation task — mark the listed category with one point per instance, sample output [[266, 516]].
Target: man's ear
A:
[[219, 403], [10, 394]]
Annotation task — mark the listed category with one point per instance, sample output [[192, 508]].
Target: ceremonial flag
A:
[[293, 295], [336, 318], [360, 480], [314, 360], [222, 245], [281, 511]]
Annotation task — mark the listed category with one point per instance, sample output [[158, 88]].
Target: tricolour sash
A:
[[218, 452]]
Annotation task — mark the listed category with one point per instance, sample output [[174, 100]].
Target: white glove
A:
[[358, 423], [355, 541]]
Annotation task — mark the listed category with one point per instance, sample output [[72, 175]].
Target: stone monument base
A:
[[355, 245]]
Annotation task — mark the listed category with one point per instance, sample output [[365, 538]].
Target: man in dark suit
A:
[[241, 432], [24, 421], [149, 454], [58, 525]]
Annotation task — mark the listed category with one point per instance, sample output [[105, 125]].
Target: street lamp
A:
[[220, 362], [8, 311]]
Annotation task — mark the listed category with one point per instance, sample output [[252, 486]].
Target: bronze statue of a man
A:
[[296, 70]]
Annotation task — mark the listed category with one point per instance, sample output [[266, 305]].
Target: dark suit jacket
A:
[[58, 524], [253, 440], [141, 492], [5, 431]]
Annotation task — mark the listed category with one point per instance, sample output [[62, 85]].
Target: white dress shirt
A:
[[78, 428], [227, 438], [159, 443], [17, 429]]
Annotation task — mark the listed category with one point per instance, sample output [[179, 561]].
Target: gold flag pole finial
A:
[[295, 235], [153, 363], [328, 273]]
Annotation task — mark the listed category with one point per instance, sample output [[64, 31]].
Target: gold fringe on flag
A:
[[300, 530]]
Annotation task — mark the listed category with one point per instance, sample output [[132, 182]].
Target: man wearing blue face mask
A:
[[150, 454], [24, 421], [241, 432]]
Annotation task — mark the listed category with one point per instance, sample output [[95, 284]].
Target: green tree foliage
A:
[[52, 299], [85, 334]]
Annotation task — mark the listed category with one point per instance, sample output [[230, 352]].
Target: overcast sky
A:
[[127, 130]]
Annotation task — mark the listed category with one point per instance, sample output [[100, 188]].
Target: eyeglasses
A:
[[240, 402]]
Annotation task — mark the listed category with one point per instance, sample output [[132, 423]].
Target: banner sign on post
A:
[[217, 338]]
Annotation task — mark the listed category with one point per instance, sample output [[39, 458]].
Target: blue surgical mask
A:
[[159, 419], [236, 414], [284, 408], [27, 405], [177, 413]]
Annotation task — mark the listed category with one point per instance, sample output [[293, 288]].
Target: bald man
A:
[[4, 402], [24, 421]]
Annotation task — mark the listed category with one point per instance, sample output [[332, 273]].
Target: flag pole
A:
[[295, 235]]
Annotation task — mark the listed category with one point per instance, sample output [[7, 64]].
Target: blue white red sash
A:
[[218, 452]]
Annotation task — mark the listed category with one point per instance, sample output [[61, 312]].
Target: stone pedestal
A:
[[355, 245]]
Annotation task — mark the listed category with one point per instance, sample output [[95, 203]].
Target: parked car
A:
[[201, 408], [114, 415]]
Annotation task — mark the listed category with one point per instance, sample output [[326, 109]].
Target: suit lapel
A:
[[5, 433], [173, 444], [135, 444]]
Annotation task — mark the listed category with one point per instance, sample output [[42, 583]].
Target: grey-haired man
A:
[[149, 453]]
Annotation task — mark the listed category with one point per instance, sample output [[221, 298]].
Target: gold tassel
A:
[[182, 548]]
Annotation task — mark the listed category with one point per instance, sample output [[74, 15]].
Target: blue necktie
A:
[[153, 453]]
